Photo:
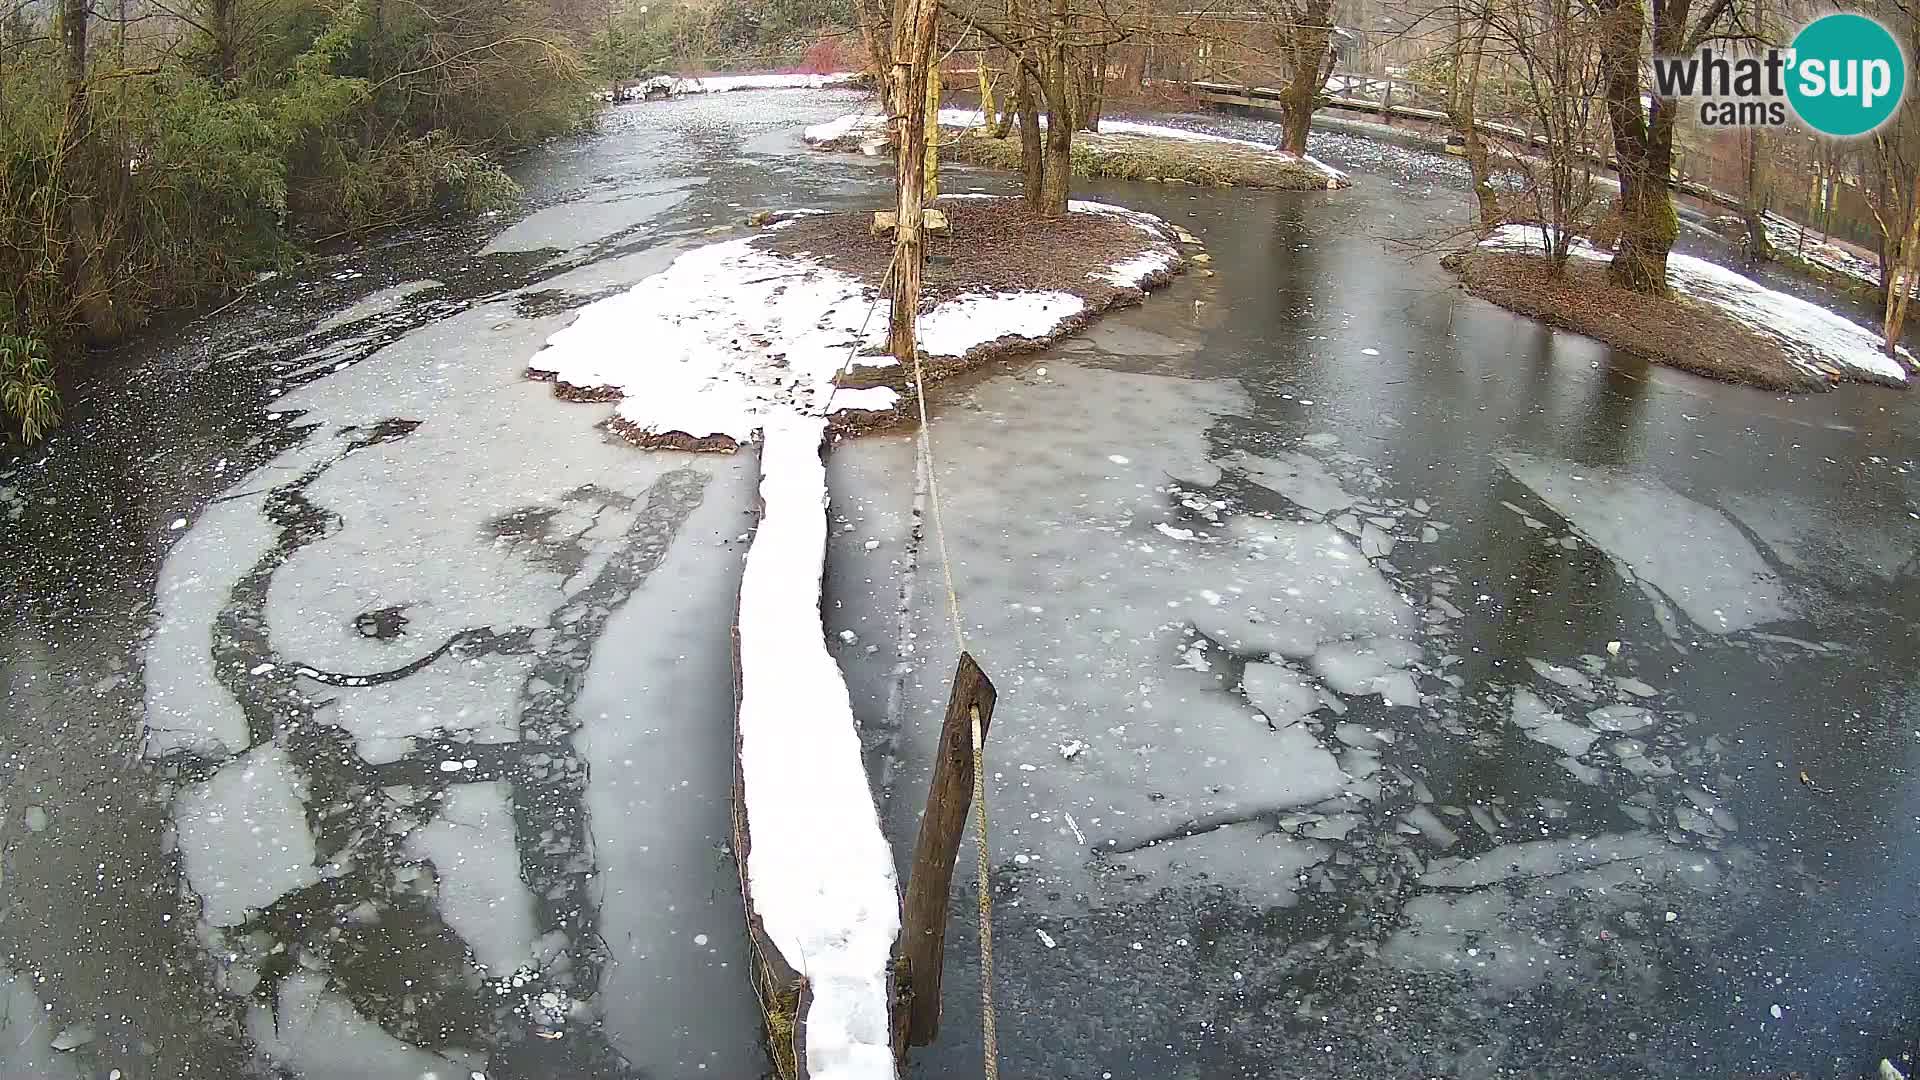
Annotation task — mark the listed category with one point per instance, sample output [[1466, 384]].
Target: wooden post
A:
[[923, 926]]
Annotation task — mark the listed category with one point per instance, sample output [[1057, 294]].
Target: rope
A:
[[989, 1036]]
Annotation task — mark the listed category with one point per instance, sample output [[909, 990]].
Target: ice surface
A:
[[26, 1035], [1692, 554], [1430, 826], [1261, 865], [656, 734], [1543, 725], [1079, 609], [820, 872], [1311, 575], [1814, 338], [1370, 666], [1565, 676], [1298, 477], [1620, 718], [187, 708], [317, 1034], [374, 303], [471, 846], [475, 700], [1504, 920], [1280, 692], [243, 836], [1542, 858]]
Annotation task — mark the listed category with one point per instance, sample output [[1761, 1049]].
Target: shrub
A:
[[28, 395]]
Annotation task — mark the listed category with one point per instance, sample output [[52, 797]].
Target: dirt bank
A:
[[1674, 330]]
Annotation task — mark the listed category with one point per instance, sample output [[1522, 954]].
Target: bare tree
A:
[[1552, 50], [1303, 37], [1643, 136]]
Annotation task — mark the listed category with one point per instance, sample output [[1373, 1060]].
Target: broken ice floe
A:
[[1715, 576]]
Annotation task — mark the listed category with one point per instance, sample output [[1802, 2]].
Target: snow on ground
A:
[[874, 124], [1789, 236], [1699, 560], [719, 84], [1817, 340], [820, 872], [730, 334], [722, 338]]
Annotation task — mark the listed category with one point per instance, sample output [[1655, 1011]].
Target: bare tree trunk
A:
[[913, 32], [1032, 153], [86, 257], [1309, 59], [930, 171], [1057, 169], [989, 114], [872, 15], [1463, 103], [1643, 149], [1900, 267], [225, 48], [1754, 206], [1086, 86]]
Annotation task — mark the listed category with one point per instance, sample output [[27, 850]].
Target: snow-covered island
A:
[[792, 321], [1715, 321]]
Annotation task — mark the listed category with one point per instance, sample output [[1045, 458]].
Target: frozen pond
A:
[[1388, 685]]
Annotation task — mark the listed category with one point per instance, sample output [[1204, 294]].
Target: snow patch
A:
[[720, 84], [974, 319], [820, 873], [725, 335], [730, 334]]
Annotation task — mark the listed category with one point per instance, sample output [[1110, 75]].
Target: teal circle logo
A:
[[1848, 75]]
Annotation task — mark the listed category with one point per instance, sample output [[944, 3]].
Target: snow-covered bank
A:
[[673, 86], [867, 133], [818, 871], [842, 126], [1816, 340], [732, 333], [1788, 237]]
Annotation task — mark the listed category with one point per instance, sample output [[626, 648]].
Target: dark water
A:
[[368, 712]]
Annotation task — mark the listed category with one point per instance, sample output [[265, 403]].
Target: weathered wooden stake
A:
[[942, 825]]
